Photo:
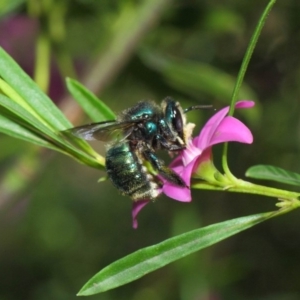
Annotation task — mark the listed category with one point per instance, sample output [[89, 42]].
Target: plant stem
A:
[[241, 76], [248, 55], [250, 188]]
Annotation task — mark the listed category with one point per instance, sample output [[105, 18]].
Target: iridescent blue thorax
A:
[[149, 114]]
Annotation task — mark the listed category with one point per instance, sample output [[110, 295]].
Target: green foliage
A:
[[27, 94], [267, 172], [91, 104], [154, 257], [33, 117]]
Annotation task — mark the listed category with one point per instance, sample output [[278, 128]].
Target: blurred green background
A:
[[58, 226]]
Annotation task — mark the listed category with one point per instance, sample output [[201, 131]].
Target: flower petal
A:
[[245, 104], [208, 131], [177, 162], [205, 156], [231, 130], [190, 153], [177, 193], [136, 208]]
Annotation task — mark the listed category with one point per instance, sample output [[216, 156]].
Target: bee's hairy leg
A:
[[171, 146], [158, 165]]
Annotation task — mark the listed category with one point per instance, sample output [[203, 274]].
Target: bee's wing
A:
[[103, 131]]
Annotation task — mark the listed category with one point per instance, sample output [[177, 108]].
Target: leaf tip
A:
[[84, 292]]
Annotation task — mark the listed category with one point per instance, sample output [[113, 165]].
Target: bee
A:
[[132, 141]]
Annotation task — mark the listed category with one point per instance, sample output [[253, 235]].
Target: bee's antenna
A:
[[194, 107]]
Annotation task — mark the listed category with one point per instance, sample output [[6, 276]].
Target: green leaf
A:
[[154, 257], [268, 172], [15, 130], [91, 104], [54, 140], [30, 93], [37, 118], [16, 113], [15, 97]]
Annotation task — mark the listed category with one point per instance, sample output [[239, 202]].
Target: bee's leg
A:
[[158, 165], [168, 145]]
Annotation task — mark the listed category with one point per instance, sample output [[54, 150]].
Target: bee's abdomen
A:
[[128, 175]]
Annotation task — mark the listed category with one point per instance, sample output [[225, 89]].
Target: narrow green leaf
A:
[[239, 81], [154, 257], [14, 96], [16, 113], [17, 131], [268, 172], [92, 105], [31, 93]]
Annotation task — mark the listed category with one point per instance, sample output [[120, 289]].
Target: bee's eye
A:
[[174, 117], [177, 120]]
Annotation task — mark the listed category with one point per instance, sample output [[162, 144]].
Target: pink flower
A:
[[219, 129]]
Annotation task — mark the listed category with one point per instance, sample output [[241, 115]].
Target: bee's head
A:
[[176, 119]]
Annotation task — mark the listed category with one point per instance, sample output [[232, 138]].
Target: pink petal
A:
[[206, 155], [177, 193], [177, 162], [244, 104], [190, 153], [136, 208], [187, 171], [231, 130], [204, 139]]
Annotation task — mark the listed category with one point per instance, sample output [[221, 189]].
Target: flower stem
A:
[[225, 163], [251, 188], [241, 76], [288, 200], [248, 55], [242, 186]]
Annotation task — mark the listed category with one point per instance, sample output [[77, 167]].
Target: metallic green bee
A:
[[132, 143]]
